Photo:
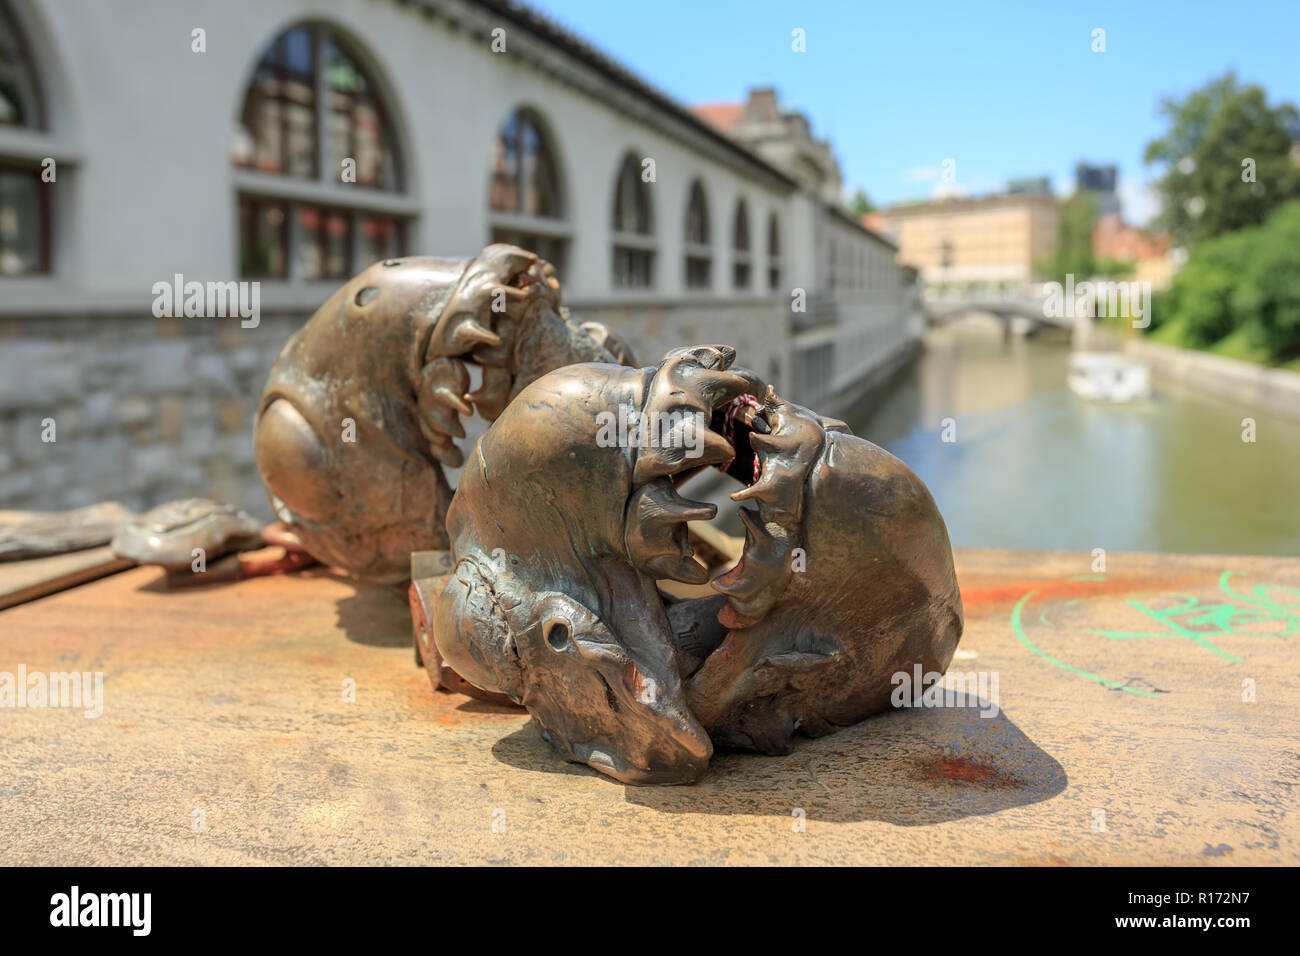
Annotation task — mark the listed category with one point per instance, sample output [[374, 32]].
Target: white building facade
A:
[[293, 142]]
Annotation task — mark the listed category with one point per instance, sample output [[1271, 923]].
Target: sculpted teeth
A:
[[785, 452], [453, 401], [684, 569], [716, 450], [443, 382], [470, 334], [767, 488], [785, 444], [750, 519], [655, 536], [491, 396], [446, 452], [691, 382]]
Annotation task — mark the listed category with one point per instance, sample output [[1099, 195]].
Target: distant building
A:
[[783, 137], [963, 247], [1149, 253], [1102, 182], [858, 282], [223, 164], [1030, 185]]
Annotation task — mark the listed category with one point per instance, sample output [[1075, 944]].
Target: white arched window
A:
[[633, 226], [524, 194], [320, 179], [773, 252], [24, 195], [740, 247], [699, 251]]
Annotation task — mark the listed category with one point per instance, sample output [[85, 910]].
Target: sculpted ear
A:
[[706, 356], [506, 260]]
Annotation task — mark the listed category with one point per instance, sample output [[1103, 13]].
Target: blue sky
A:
[[1004, 89]]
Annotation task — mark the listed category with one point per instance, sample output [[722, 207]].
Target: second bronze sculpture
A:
[[559, 540], [568, 517]]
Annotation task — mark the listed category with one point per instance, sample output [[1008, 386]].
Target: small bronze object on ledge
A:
[[170, 534], [568, 515], [364, 404]]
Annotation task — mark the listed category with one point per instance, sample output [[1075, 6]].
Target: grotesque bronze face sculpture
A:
[[567, 515], [363, 405]]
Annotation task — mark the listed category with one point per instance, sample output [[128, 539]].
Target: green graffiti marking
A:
[[1218, 617], [1241, 615], [1259, 596], [1198, 622], [1020, 635]]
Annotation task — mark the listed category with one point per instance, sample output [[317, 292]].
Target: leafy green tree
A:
[[1076, 218], [1227, 158], [1114, 268], [1206, 292], [1269, 296], [860, 205], [1246, 280]]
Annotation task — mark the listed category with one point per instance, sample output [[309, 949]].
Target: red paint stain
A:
[[964, 771], [974, 599]]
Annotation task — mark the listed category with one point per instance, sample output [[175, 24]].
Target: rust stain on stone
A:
[[959, 770]]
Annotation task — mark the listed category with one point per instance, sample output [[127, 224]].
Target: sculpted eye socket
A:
[[556, 633]]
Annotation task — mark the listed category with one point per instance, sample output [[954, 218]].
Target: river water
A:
[[1035, 466]]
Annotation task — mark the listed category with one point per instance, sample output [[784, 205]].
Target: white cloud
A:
[[921, 174]]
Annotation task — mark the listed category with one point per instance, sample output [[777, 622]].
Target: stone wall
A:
[[1275, 390], [147, 410], [144, 410]]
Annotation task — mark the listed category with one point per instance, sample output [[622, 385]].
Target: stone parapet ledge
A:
[[1273, 389], [1144, 715]]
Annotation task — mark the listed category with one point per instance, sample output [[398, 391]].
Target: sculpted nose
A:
[[667, 714]]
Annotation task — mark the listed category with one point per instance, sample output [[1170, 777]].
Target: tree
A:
[[1076, 218], [1227, 158], [1269, 297], [1204, 291], [1247, 281], [860, 205]]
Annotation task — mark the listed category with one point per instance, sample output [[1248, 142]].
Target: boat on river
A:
[[1108, 376]]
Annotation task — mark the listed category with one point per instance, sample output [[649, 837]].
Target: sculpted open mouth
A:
[[767, 445], [490, 313], [558, 530]]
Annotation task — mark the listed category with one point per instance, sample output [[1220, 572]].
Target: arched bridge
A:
[[1006, 310]]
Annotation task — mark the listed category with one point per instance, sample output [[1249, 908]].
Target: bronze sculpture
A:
[[538, 581], [558, 539], [363, 405]]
